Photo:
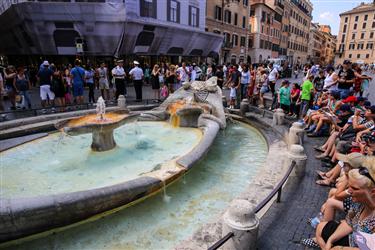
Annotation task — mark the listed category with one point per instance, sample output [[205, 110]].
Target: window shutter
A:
[[197, 17], [189, 15], [169, 10]]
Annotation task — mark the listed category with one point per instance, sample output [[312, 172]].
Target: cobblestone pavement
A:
[[284, 224]]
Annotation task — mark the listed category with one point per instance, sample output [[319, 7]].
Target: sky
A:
[[327, 11]]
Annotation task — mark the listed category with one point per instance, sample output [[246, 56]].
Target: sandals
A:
[[322, 175], [319, 148], [325, 182], [310, 243]]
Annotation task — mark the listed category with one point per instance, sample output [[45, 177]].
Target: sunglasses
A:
[[364, 171]]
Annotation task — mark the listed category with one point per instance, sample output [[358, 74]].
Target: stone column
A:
[[278, 117], [244, 106], [242, 221], [296, 134], [296, 153], [121, 102]]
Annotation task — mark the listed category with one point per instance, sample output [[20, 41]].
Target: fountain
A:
[[100, 125]]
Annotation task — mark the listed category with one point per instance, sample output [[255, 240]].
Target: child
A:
[[164, 92], [284, 96], [232, 95]]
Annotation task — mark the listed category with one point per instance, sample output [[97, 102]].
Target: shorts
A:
[[77, 89], [103, 83], [329, 229], [45, 90], [264, 89]]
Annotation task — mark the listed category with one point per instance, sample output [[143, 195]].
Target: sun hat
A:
[[355, 160]]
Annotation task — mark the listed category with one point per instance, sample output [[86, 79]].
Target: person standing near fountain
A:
[[137, 75], [182, 75], [102, 72], [45, 79], [78, 75], [155, 82], [119, 74]]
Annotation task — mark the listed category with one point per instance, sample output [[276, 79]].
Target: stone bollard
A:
[[296, 134], [278, 117], [296, 153], [242, 221], [244, 106], [121, 102]]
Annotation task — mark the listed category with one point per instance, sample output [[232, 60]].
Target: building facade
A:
[[300, 15], [328, 49], [230, 19], [356, 35], [265, 32], [172, 28], [315, 45]]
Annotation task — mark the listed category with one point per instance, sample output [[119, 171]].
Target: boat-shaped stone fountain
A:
[[195, 110]]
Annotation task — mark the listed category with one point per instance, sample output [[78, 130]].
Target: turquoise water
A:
[[194, 200], [60, 163]]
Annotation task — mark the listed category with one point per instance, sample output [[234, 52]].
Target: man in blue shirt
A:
[[78, 75], [45, 78]]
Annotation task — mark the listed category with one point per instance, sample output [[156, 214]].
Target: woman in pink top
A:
[[294, 95]]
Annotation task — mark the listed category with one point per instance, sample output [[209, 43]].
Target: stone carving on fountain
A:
[[189, 105]]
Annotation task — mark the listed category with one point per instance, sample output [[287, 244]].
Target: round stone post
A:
[[244, 106], [242, 221], [121, 102], [296, 134], [278, 117], [296, 153]]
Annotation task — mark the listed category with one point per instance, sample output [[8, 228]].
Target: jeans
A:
[[120, 87], [304, 108], [91, 92], [138, 89], [344, 93], [26, 95], [243, 91]]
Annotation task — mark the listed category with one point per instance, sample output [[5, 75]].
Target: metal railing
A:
[[277, 190]]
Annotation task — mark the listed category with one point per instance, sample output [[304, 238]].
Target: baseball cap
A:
[[136, 62], [350, 99], [347, 62], [355, 160], [45, 63]]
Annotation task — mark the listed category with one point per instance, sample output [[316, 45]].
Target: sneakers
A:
[[310, 243]]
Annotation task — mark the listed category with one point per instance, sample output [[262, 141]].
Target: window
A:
[[367, 55], [148, 8], [346, 19], [356, 18], [261, 44], [366, 16], [243, 41], [344, 29], [371, 34], [350, 55], [250, 44], [364, 26], [355, 26], [235, 18], [173, 11], [235, 40], [358, 55], [193, 16], [227, 16], [218, 13], [362, 35], [373, 24], [369, 46], [343, 39], [244, 22], [263, 16], [353, 36], [246, 2]]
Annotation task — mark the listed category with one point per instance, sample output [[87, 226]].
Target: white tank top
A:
[[328, 81]]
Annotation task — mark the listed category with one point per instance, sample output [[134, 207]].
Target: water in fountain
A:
[[100, 109]]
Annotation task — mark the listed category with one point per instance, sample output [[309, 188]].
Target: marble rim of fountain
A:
[[27, 217], [272, 171]]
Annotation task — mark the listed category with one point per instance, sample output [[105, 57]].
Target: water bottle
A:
[[316, 220]]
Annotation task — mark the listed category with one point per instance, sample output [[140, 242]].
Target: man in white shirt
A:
[[183, 74], [118, 73], [272, 77], [137, 75]]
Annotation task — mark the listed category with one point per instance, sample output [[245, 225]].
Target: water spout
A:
[[100, 109], [166, 198]]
